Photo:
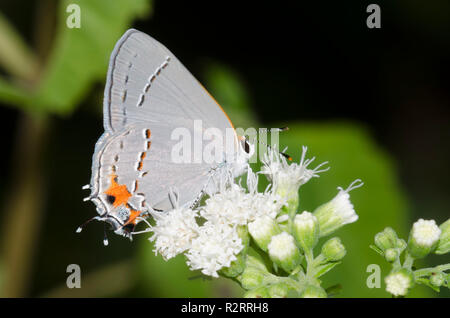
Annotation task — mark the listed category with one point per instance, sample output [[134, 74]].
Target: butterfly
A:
[[148, 96]]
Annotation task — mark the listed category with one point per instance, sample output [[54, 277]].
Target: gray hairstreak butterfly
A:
[[148, 95]]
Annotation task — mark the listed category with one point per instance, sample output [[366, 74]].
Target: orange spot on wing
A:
[[118, 191], [133, 215], [141, 161]]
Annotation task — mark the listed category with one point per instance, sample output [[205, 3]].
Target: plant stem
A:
[[15, 56], [309, 263], [24, 205], [409, 261], [429, 270]]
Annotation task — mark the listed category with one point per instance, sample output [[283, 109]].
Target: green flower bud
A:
[[398, 283], [280, 290], [255, 262], [252, 278], [242, 231], [260, 292], [333, 250], [438, 279], [401, 245], [423, 238], [386, 239], [337, 212], [236, 267], [443, 246], [262, 230], [306, 230], [391, 254], [313, 292], [284, 252]]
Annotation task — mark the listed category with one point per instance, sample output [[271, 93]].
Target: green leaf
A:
[[80, 56], [323, 269], [426, 282], [334, 290], [172, 278], [228, 89], [12, 94]]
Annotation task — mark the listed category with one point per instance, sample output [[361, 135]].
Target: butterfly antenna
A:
[[105, 237], [81, 227]]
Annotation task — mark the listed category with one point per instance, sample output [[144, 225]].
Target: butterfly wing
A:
[[148, 95], [135, 167], [147, 83]]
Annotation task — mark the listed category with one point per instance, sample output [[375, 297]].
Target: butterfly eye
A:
[[245, 145]]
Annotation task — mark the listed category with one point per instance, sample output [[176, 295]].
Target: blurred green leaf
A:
[[80, 56], [229, 90], [172, 278], [12, 94], [352, 154], [15, 56]]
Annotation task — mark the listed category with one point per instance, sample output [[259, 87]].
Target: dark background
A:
[[298, 60]]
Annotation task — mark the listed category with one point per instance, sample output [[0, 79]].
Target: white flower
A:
[[234, 206], [174, 231], [230, 206], [425, 232], [337, 212], [423, 238], [287, 178], [215, 247], [282, 246], [305, 220], [398, 283], [284, 252]]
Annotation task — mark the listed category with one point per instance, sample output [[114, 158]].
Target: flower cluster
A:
[[229, 234], [213, 235], [425, 237]]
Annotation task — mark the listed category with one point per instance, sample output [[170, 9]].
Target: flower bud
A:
[[398, 283], [260, 292], [333, 250], [306, 230], [236, 267], [423, 238], [337, 212], [443, 246], [262, 230], [401, 244], [284, 252], [279, 290], [386, 239], [255, 262], [252, 277], [313, 292], [391, 254], [437, 279]]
